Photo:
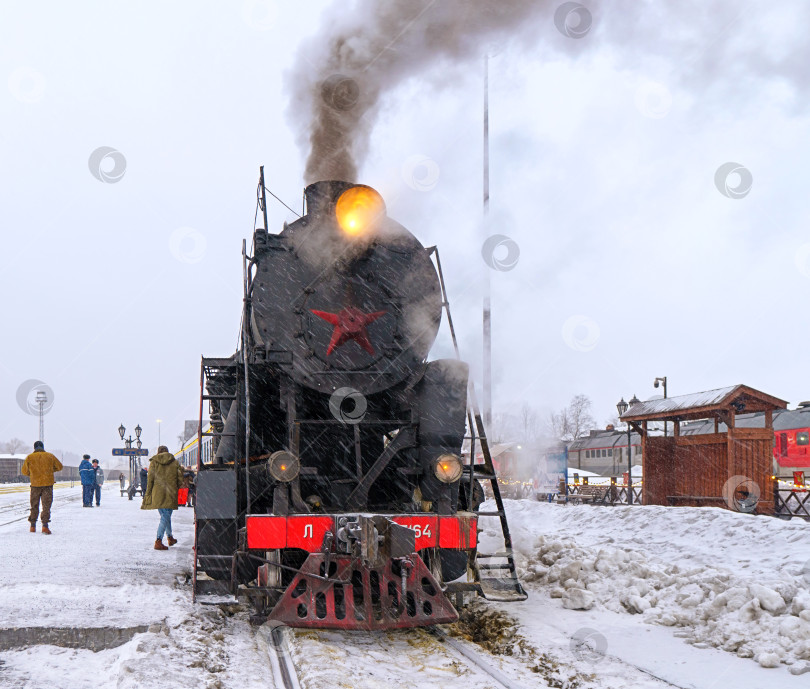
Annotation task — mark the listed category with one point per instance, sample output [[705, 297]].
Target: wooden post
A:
[[730, 444]]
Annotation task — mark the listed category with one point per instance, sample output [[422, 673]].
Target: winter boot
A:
[[46, 530], [159, 545], [172, 541], [33, 528]]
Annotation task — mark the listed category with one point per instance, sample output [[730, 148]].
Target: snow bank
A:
[[733, 581]]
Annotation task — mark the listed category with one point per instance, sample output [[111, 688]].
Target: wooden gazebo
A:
[[731, 467]]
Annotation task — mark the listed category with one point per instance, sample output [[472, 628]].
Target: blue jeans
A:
[[165, 525], [87, 495], [97, 493]]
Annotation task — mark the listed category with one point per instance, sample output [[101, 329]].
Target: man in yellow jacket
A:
[[40, 466]]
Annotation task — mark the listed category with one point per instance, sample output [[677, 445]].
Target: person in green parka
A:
[[165, 479]]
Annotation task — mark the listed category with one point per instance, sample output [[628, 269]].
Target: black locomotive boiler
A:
[[334, 494]]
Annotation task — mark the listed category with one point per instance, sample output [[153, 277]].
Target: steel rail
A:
[[475, 658], [277, 638], [27, 508]]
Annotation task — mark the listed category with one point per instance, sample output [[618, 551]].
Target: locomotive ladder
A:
[[494, 574], [223, 373]]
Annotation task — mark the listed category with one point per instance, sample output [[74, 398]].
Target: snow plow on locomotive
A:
[[354, 509]]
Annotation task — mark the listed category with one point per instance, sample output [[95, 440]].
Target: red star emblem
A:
[[350, 324]]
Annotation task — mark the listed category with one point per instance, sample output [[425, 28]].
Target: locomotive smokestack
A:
[[321, 196]]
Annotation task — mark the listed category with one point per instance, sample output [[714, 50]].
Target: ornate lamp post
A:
[[134, 462], [622, 407]]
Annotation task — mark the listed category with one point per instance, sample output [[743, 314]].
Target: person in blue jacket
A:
[[88, 476]]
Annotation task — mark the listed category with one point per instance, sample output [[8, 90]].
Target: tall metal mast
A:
[[487, 312], [263, 197]]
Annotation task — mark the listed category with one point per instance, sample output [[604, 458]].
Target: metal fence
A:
[[792, 502], [788, 502], [613, 494]]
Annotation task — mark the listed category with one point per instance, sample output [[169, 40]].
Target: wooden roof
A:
[[701, 405]]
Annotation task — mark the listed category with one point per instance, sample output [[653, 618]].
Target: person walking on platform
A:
[[188, 481], [144, 476], [41, 466], [122, 481], [99, 482], [165, 479], [88, 477]]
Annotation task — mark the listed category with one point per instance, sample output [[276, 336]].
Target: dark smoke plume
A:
[[370, 47], [367, 48]]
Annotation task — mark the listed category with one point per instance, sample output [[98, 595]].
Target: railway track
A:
[[8, 511], [281, 639], [24, 488]]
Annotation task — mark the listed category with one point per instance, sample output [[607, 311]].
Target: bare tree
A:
[[13, 446], [574, 421], [579, 416], [528, 423]]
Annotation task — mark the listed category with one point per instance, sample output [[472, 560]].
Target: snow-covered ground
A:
[[619, 597], [706, 577]]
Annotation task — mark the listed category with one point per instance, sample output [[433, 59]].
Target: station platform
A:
[[98, 568]]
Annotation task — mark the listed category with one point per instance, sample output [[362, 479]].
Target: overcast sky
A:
[[604, 154]]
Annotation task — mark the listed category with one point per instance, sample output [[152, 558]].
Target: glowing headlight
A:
[[283, 466], [448, 468], [358, 208]]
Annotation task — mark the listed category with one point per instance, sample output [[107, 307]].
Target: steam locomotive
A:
[[333, 496]]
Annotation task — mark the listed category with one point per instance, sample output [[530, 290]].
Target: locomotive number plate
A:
[[425, 528]]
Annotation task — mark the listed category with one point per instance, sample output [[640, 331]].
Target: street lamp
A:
[[121, 431], [622, 407], [138, 430], [655, 384]]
